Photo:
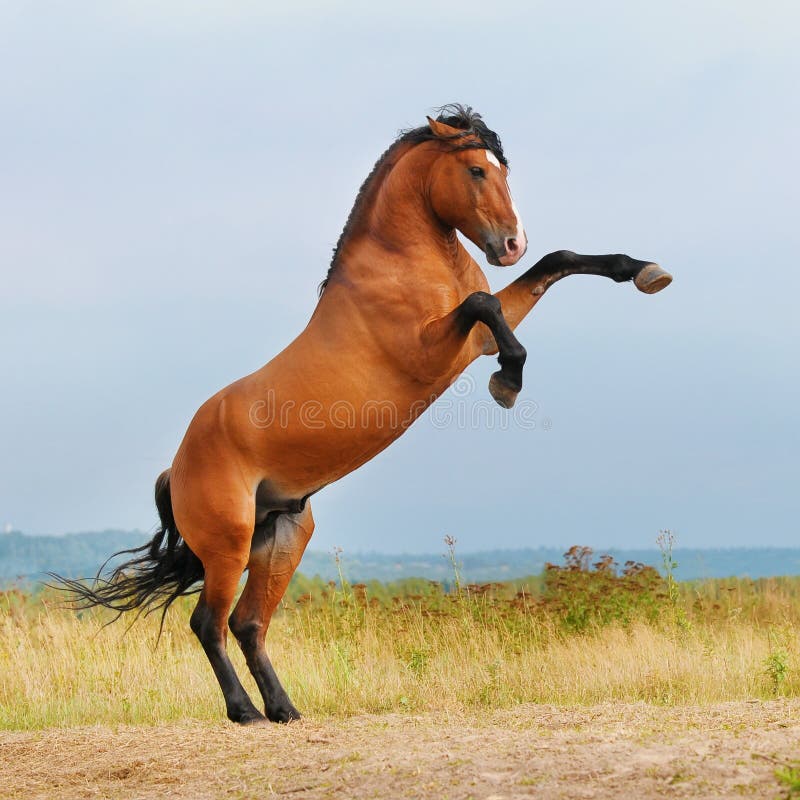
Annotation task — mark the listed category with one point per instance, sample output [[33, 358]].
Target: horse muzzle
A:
[[503, 251]]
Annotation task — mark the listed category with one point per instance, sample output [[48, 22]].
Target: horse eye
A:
[[477, 172]]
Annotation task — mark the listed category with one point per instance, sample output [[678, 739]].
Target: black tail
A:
[[159, 573]]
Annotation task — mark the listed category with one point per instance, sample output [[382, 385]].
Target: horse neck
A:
[[399, 225]]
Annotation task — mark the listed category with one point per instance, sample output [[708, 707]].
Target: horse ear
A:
[[443, 130]]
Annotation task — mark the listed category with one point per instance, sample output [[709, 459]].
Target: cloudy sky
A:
[[175, 174]]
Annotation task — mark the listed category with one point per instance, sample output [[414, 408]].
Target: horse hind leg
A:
[[272, 563], [208, 621]]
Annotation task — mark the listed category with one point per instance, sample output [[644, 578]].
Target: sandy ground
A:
[[608, 751]]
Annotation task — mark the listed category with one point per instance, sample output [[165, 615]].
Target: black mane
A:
[[475, 135]]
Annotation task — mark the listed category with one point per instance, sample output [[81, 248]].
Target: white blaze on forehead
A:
[[520, 232], [492, 158]]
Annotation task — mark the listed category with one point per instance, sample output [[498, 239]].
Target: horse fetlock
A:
[[517, 356]]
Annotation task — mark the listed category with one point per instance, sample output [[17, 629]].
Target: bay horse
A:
[[403, 311]]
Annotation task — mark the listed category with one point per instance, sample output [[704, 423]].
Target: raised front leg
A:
[[519, 297], [443, 338], [505, 384]]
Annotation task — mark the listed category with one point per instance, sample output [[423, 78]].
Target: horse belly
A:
[[314, 414], [303, 438]]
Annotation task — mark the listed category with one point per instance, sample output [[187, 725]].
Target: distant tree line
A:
[[26, 559]]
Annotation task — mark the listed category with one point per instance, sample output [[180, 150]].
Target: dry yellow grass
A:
[[60, 669]]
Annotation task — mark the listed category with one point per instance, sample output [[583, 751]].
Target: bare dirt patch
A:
[[606, 751]]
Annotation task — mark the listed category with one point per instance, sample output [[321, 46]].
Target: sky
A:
[[174, 175]]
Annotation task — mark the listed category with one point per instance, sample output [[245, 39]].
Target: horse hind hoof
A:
[[252, 719], [283, 714], [503, 394], [651, 279]]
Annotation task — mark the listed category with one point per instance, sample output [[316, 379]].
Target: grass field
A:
[[580, 634]]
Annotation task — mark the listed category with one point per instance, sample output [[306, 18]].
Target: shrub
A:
[[583, 594]]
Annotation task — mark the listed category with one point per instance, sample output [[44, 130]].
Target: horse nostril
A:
[[511, 245]]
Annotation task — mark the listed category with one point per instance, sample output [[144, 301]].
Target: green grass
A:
[[789, 777]]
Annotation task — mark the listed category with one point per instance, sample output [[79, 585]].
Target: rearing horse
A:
[[403, 311]]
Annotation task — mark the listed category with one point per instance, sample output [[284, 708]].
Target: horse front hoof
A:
[[503, 394], [651, 279]]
